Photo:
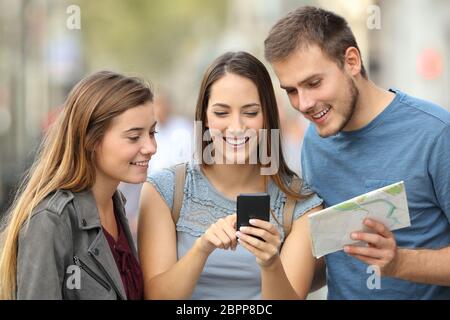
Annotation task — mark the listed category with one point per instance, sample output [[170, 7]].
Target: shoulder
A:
[[54, 204], [164, 181], [161, 176], [427, 112], [166, 176], [50, 218], [310, 199]]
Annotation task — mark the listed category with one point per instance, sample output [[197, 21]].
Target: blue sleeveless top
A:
[[227, 274]]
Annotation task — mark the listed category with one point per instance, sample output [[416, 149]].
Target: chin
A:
[[327, 133], [329, 130], [136, 179], [237, 158]]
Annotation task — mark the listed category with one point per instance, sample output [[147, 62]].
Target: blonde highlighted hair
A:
[[65, 159]]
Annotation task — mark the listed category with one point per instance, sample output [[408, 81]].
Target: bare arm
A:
[[164, 276], [424, 266], [287, 275], [320, 279], [418, 265], [297, 260]]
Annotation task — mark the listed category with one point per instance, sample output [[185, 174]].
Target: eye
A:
[[152, 133], [134, 139], [290, 91], [314, 84], [219, 113], [252, 114]]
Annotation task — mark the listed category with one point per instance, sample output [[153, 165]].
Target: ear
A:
[[95, 147], [352, 61]]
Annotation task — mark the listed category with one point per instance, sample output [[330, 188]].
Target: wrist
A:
[[272, 266], [200, 250], [400, 261]]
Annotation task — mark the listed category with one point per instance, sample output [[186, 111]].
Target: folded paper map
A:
[[331, 228]]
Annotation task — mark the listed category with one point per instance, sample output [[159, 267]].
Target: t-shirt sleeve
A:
[[439, 169], [303, 206], [302, 163], [164, 181], [304, 156]]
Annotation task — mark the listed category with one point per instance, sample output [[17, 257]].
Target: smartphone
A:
[[252, 206]]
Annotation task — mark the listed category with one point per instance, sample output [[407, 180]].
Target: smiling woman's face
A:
[[234, 110], [128, 145]]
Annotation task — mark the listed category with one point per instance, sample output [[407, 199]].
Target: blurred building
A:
[[411, 50], [39, 61]]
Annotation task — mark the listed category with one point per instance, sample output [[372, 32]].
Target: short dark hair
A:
[[310, 25]]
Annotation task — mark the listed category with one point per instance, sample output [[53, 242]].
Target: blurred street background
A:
[[46, 46]]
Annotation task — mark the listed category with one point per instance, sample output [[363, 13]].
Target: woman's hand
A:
[[265, 252], [221, 234]]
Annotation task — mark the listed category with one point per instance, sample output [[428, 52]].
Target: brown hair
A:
[[246, 65], [307, 26], [65, 159]]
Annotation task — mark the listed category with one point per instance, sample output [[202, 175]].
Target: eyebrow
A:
[[244, 106], [300, 83], [139, 129]]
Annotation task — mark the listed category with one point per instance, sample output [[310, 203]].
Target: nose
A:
[[149, 147], [236, 126], [305, 101]]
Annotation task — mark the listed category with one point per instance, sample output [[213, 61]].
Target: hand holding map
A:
[[331, 228]]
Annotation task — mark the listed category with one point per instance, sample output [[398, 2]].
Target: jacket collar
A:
[[88, 216]]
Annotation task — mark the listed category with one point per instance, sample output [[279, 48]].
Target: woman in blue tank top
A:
[[201, 255]]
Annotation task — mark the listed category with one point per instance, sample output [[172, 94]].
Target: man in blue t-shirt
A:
[[362, 138]]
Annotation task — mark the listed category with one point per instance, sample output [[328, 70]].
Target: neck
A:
[[372, 100], [103, 190], [235, 176]]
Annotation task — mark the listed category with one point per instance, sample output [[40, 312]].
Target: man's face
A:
[[317, 87]]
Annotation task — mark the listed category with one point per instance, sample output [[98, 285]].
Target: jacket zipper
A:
[[83, 266], [119, 295]]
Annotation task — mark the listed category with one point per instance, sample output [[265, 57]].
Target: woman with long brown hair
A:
[[66, 235], [178, 241]]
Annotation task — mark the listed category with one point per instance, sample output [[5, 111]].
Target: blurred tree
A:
[[145, 36]]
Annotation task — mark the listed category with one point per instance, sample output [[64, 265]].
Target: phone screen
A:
[[252, 206]]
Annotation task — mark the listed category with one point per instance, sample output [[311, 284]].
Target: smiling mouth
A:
[[236, 142], [320, 114], [140, 163]]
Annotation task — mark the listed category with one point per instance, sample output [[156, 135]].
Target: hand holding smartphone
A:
[[252, 206]]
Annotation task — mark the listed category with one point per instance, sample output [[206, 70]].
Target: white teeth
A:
[[321, 114], [140, 163], [235, 141]]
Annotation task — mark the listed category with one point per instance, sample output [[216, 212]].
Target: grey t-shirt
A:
[[227, 274]]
